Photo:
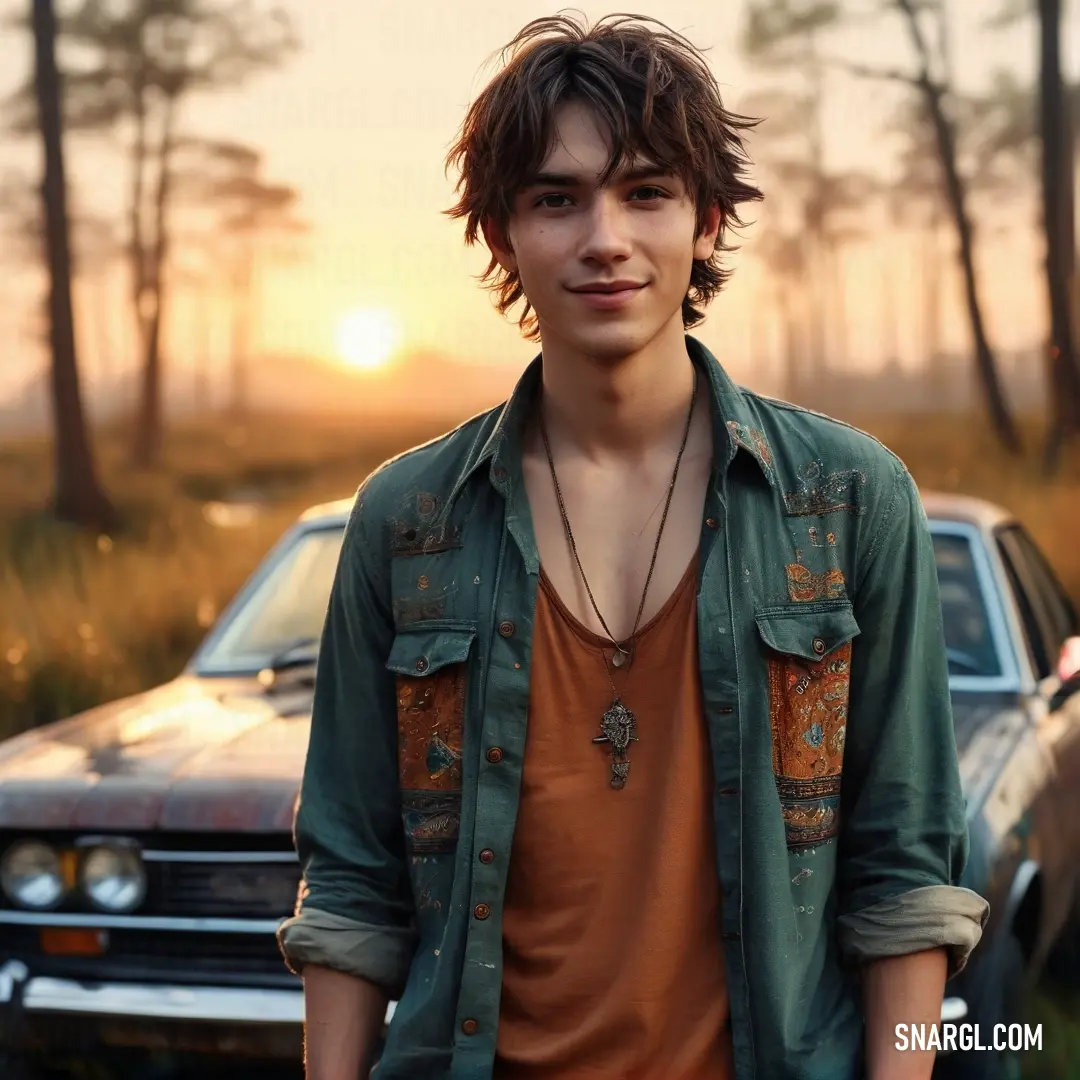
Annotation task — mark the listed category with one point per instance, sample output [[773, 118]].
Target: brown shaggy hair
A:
[[656, 96]]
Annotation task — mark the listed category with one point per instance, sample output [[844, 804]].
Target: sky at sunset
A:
[[360, 122]]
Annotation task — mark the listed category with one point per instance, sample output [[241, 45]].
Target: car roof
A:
[[965, 508], [328, 513]]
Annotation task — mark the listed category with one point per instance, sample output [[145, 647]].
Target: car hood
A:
[[195, 754], [223, 754]]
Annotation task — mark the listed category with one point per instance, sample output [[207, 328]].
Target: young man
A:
[[632, 753]]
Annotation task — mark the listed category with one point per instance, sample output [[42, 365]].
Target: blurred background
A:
[[228, 290]]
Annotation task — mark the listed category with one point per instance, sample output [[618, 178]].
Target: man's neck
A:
[[600, 410]]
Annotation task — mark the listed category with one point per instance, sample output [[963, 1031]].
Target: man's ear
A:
[[499, 244], [705, 244]]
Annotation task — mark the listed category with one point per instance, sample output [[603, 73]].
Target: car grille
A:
[[251, 890], [182, 956]]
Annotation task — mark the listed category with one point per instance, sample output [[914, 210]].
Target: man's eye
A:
[[647, 194], [543, 201]]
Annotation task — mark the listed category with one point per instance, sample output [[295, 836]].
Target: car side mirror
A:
[[1068, 672], [1069, 660]]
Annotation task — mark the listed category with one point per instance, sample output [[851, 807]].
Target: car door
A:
[[1048, 613], [1049, 617]]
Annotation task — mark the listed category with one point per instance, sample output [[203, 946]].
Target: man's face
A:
[[571, 241]]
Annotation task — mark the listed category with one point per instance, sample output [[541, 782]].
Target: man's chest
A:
[[621, 537]]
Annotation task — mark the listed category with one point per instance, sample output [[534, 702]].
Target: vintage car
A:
[[146, 858]]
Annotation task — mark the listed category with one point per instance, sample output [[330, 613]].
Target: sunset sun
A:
[[367, 338]]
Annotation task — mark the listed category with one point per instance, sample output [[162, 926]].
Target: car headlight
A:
[[113, 878], [31, 875]]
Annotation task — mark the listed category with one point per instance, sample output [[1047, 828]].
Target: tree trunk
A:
[[203, 349], [890, 319], [956, 195], [106, 361], [817, 213], [78, 496], [794, 381], [138, 247], [840, 347], [240, 345], [1059, 226], [149, 426], [956, 198]]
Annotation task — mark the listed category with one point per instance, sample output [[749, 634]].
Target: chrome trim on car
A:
[[953, 1009], [92, 921], [246, 857], [91, 840], [12, 974], [155, 1001], [148, 1001], [994, 591]]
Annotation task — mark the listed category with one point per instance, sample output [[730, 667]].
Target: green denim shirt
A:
[[839, 818]]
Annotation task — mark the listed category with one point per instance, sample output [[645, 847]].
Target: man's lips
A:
[[609, 287], [609, 296]]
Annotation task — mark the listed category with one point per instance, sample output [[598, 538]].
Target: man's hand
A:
[[901, 990], [344, 1019]]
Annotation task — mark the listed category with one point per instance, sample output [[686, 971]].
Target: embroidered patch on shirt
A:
[[808, 704], [811, 810], [820, 494], [805, 586], [432, 820], [431, 718]]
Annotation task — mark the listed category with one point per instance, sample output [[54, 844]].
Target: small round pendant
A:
[[621, 657]]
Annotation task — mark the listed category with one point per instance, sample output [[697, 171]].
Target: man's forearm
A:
[[344, 1018], [901, 990]]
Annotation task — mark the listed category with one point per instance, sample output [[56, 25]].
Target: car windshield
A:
[[286, 608], [968, 636], [288, 605]]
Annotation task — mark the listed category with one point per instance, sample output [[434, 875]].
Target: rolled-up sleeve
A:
[[354, 912], [904, 838]]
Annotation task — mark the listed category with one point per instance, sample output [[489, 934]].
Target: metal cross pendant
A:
[[619, 728]]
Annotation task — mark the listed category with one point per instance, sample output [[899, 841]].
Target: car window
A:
[[968, 637], [288, 605], [1059, 607], [1048, 614]]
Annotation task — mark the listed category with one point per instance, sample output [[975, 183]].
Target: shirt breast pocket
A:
[[430, 666], [807, 650]]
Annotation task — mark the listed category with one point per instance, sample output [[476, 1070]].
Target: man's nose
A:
[[607, 233]]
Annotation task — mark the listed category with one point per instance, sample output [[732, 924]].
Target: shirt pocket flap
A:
[[808, 634], [427, 650]]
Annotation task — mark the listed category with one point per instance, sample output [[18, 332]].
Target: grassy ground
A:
[[85, 618], [1058, 1011]]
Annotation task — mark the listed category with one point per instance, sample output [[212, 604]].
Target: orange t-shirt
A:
[[612, 954]]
